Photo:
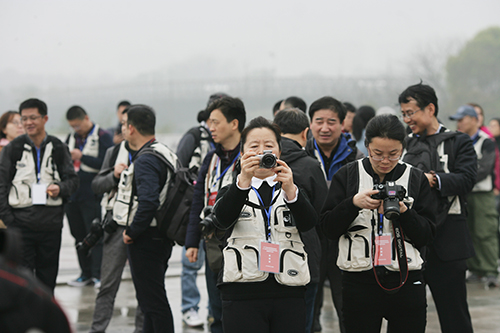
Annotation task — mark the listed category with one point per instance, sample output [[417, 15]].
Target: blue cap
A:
[[464, 110]]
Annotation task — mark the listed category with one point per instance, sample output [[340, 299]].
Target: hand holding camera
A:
[[390, 194]]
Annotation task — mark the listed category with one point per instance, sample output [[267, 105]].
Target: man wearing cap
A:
[[450, 165], [482, 218]]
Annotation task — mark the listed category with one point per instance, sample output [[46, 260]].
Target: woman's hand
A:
[[364, 200], [249, 164], [285, 176]]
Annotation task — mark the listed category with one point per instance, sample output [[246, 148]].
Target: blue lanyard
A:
[[84, 142], [129, 158], [268, 211], [380, 224], [223, 172], [38, 176]]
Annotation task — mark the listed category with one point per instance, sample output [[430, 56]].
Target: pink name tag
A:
[[383, 250], [269, 257]]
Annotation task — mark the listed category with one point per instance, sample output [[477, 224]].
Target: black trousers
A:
[[280, 315], [148, 257], [365, 304], [329, 270], [41, 254], [446, 279], [80, 215]]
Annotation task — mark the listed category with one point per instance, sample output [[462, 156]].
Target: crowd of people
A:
[[331, 192]]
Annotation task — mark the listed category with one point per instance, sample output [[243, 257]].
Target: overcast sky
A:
[[123, 39]]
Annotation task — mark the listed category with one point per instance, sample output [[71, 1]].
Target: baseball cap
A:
[[464, 110]]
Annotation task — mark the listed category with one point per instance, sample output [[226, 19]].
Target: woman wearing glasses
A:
[[381, 277], [10, 127]]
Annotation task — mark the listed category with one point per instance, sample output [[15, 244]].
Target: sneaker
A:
[[97, 283], [491, 282], [82, 281], [191, 318]]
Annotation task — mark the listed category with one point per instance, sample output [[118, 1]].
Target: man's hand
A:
[[53, 190], [431, 177], [126, 238], [192, 254], [119, 169], [76, 154]]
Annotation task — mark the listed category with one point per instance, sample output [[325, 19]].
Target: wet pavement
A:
[[484, 304]]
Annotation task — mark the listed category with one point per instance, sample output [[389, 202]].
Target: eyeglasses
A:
[[32, 118], [409, 114], [379, 158], [15, 123]]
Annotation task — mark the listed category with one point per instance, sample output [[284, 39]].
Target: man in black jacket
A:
[[307, 175], [450, 164], [227, 120], [87, 145], [36, 176]]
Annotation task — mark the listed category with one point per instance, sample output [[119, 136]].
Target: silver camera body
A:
[[267, 160]]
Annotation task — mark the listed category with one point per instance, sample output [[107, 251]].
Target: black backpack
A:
[[173, 215]]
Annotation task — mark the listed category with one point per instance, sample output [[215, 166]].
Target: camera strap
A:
[[401, 255]]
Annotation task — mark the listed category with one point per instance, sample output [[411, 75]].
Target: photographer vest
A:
[[242, 252], [90, 148], [124, 157], [486, 184], [126, 201], [429, 154], [217, 178], [355, 246], [202, 149], [25, 177]]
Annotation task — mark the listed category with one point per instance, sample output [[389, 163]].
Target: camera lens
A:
[[268, 161]]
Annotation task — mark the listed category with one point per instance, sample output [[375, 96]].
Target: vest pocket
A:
[[294, 270], [241, 262], [20, 195]]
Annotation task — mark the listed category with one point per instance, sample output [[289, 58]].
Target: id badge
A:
[[269, 260], [383, 250], [39, 194], [211, 198]]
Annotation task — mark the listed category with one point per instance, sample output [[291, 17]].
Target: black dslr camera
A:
[[392, 194], [267, 160], [97, 229], [207, 225]]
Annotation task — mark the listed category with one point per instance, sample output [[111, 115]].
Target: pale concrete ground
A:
[[78, 303]]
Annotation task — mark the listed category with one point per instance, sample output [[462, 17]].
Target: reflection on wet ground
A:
[[484, 304]]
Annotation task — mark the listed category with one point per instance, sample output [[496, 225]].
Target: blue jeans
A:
[[190, 292]]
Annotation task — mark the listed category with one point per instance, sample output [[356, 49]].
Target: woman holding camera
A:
[[381, 277], [264, 273]]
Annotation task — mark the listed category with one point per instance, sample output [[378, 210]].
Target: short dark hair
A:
[[232, 108], [328, 103], [142, 117], [386, 126], [276, 106], [5, 119], [295, 102], [123, 103], [362, 117], [349, 107], [75, 112], [423, 94], [260, 122], [34, 103], [292, 121]]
